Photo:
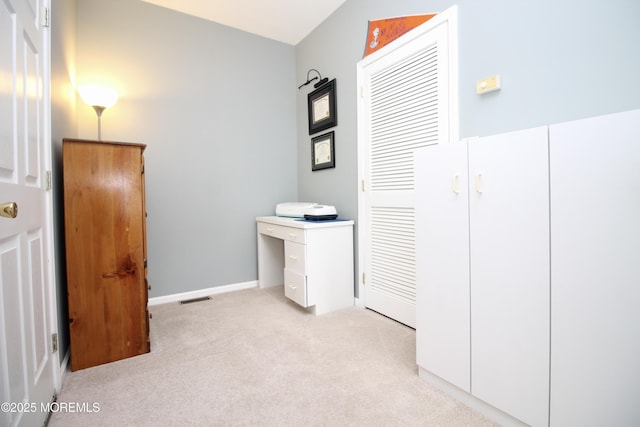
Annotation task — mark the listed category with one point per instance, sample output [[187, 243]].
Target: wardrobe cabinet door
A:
[[442, 270], [595, 293], [509, 261]]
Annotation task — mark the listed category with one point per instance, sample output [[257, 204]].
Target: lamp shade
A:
[[98, 96]]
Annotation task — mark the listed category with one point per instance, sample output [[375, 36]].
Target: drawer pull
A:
[[293, 235], [270, 230], [478, 178], [293, 287], [293, 257]]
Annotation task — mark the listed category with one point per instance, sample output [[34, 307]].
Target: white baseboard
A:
[[202, 293], [494, 414]]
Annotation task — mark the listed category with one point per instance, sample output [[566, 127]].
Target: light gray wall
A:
[[558, 61], [226, 127], [63, 124], [216, 108]]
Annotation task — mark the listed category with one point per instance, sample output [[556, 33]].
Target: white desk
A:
[[314, 261]]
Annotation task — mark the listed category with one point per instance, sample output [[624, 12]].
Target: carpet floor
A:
[[254, 358]]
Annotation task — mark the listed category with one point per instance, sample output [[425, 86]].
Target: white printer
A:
[[310, 211], [293, 209]]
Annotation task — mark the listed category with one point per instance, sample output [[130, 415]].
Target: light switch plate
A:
[[490, 84]]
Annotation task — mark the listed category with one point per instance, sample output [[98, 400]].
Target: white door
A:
[[509, 263], [595, 273], [407, 101], [443, 315], [28, 364]]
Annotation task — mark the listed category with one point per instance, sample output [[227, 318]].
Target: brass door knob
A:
[[9, 210]]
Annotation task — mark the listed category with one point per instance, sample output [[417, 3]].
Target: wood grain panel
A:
[[106, 251]]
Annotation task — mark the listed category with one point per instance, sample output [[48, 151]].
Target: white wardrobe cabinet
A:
[[482, 221], [595, 271], [541, 319]]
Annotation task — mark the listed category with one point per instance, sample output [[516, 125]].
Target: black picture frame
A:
[[323, 154], [321, 107]]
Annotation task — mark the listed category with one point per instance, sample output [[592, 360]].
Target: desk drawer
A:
[[291, 234], [295, 258], [295, 287]]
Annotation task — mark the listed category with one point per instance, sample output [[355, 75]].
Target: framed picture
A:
[[322, 107], [322, 152]]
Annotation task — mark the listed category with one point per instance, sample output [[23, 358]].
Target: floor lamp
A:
[[99, 98]]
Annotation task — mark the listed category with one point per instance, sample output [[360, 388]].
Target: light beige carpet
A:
[[253, 358]]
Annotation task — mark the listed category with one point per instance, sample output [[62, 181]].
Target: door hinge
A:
[[46, 17], [54, 343], [364, 281], [362, 185], [142, 168], [48, 185]]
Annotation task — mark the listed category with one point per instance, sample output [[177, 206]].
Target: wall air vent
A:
[[189, 301]]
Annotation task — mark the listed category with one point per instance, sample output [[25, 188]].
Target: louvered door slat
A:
[[393, 253]]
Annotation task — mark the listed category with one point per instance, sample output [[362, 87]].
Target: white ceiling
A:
[[288, 21]]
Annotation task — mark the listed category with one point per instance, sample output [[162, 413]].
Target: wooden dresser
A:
[[105, 237]]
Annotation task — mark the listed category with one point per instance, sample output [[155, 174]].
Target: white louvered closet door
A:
[[405, 103]]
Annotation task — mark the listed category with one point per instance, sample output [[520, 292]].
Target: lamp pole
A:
[[99, 109]]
